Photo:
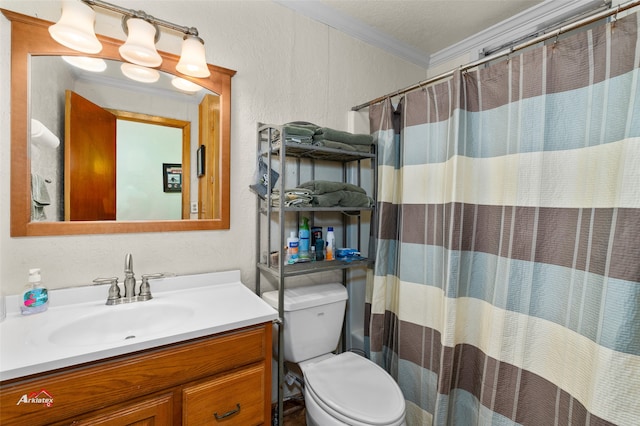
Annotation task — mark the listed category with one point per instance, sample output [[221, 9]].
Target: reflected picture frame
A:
[[172, 177]]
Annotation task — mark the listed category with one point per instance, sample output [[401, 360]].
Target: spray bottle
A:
[[331, 244], [292, 248], [304, 234]]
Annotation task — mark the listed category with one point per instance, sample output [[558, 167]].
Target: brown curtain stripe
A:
[[558, 230]]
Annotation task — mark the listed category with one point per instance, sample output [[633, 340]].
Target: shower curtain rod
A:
[[588, 20]]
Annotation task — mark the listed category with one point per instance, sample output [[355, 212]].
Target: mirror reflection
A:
[[30, 39], [100, 143]]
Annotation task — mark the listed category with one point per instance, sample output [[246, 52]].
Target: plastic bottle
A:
[[292, 248], [304, 234], [35, 297], [331, 244], [319, 249]]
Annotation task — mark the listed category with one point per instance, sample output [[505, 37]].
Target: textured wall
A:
[[289, 68]]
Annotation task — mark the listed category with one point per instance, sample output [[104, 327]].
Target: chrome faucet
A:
[[114, 297], [129, 278]]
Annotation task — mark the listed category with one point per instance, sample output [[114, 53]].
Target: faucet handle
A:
[[99, 280], [145, 288], [114, 290]]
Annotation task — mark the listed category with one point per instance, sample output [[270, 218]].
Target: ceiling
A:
[[430, 25], [427, 32]]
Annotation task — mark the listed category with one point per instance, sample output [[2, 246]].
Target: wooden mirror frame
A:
[[30, 36]]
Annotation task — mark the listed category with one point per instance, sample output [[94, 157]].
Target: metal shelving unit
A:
[[273, 147]]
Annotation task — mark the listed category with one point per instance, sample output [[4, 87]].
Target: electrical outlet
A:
[[194, 207]]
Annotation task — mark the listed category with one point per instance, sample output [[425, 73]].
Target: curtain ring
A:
[[615, 16], [509, 54], [555, 41]]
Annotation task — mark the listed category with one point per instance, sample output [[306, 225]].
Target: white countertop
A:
[[217, 302]]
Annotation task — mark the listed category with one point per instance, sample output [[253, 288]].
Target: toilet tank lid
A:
[[307, 296]]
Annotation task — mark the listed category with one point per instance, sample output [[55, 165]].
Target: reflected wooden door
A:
[[208, 187], [90, 160]]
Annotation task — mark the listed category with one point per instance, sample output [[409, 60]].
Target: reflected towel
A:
[[39, 197]]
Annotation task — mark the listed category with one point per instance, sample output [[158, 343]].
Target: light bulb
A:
[[140, 47], [75, 27], [192, 60]]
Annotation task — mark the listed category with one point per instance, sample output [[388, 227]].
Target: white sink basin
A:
[[121, 322], [79, 327]]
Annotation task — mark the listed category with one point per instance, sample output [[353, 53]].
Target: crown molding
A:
[[530, 21]]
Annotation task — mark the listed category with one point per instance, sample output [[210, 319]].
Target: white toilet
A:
[[344, 389]]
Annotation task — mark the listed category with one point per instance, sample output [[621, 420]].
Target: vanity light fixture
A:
[[185, 85], [75, 30], [86, 63], [140, 47], [139, 73], [75, 27], [192, 60]]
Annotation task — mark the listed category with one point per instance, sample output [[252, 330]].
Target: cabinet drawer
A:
[[233, 399], [156, 411]]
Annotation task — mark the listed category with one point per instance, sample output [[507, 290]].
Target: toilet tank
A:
[[313, 317]]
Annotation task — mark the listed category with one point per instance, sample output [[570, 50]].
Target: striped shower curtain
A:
[[506, 288]]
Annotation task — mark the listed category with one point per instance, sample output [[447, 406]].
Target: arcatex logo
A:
[[43, 397]]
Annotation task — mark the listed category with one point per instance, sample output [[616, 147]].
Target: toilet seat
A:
[[355, 390]]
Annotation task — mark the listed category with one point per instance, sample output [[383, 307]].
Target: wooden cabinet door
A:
[[156, 411], [236, 398]]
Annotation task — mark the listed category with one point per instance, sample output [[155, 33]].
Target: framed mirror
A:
[[30, 40]]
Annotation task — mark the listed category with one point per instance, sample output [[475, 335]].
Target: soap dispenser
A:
[[35, 297]]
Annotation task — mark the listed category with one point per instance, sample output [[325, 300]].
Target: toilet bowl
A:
[[343, 389], [348, 389]]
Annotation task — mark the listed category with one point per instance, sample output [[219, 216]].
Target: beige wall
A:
[[289, 68]]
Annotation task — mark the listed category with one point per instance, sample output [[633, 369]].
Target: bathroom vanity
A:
[[214, 367]]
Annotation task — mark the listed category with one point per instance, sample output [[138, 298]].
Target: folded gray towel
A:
[[292, 197], [342, 199], [320, 187], [342, 145], [298, 130], [325, 133], [299, 139]]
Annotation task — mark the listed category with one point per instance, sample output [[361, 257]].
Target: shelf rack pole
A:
[[281, 221]]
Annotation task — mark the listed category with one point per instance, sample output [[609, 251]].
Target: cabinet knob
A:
[[228, 413]]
